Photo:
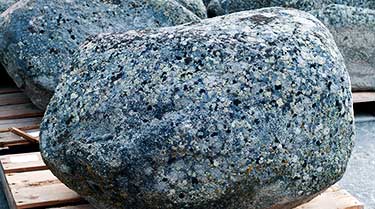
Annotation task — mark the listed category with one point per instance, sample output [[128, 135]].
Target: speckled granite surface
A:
[[222, 7], [354, 31], [5, 4], [352, 23], [249, 110], [38, 37]]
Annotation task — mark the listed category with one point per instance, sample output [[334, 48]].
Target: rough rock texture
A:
[[355, 3], [38, 37], [5, 4], [196, 6], [249, 110], [222, 7], [354, 32]]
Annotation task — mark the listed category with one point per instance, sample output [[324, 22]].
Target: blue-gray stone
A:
[[353, 29], [222, 7], [251, 110], [39, 37], [355, 3], [196, 6], [5, 4]]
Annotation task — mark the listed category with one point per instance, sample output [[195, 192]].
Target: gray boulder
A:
[[354, 32], [39, 37], [5, 4], [248, 110], [222, 7]]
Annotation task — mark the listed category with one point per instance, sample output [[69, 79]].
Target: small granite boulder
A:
[[354, 32], [39, 37], [248, 110]]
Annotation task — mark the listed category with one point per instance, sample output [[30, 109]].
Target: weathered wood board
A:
[[13, 98], [333, 198], [39, 189], [19, 111], [21, 123], [361, 97], [8, 139], [8, 90], [22, 162]]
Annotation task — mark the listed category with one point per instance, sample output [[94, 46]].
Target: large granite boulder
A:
[[39, 37], [249, 110], [5, 4], [354, 32]]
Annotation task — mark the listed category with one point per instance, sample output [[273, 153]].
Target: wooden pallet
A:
[[29, 184], [16, 110]]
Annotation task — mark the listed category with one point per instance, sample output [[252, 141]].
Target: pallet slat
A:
[[6, 189], [7, 90], [13, 98], [361, 97], [22, 162], [39, 189], [8, 139], [19, 111], [333, 198], [22, 123], [85, 206]]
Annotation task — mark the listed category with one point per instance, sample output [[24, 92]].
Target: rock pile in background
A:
[[248, 110], [354, 32], [351, 22], [39, 37]]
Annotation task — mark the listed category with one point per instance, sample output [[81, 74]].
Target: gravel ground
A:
[[359, 179]]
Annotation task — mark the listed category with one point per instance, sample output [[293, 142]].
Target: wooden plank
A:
[[21, 123], [6, 189], [13, 98], [7, 90], [19, 111], [8, 139], [39, 189], [86, 206], [333, 198], [24, 135], [361, 97], [22, 162]]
